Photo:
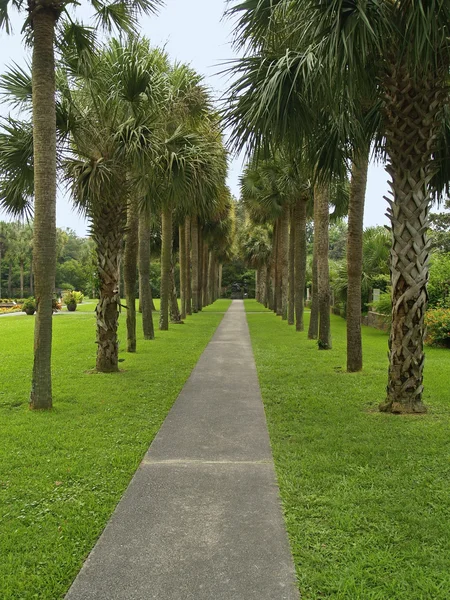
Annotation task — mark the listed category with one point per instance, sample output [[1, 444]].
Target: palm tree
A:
[[114, 141], [41, 23], [145, 291], [130, 269], [257, 251], [402, 49]]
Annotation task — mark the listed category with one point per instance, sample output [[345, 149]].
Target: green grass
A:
[[218, 306], [221, 305], [253, 306], [63, 472], [365, 494]]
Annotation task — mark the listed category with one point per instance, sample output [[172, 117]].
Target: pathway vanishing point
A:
[[202, 518]]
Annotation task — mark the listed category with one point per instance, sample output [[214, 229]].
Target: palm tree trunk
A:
[[108, 228], [284, 260], [195, 264], [200, 268], [31, 278], [21, 278], [166, 263], [182, 245], [257, 284], [130, 270], [269, 285], [321, 225], [291, 297], [313, 329], [413, 113], [300, 260], [188, 267], [205, 263], [145, 290], [216, 279], [278, 269], [44, 229], [10, 280], [354, 260], [219, 285], [211, 278], [175, 315]]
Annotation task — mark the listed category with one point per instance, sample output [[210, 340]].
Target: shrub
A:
[[439, 281], [71, 297], [437, 321], [383, 306], [79, 297], [29, 305]]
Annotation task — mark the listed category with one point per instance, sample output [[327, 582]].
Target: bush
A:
[[437, 321], [29, 306], [439, 281], [71, 297]]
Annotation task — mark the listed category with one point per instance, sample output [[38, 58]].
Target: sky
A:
[[192, 32]]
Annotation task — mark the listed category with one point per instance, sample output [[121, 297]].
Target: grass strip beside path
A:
[[63, 472], [365, 494]]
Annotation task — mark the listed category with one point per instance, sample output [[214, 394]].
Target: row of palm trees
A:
[[280, 199], [49, 25], [323, 82], [15, 248], [137, 140]]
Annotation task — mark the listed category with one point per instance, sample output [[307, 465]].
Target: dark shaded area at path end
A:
[[201, 519]]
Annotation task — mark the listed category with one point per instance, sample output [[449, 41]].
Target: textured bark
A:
[[200, 268], [166, 264], [269, 284], [188, 268], [321, 226], [175, 315], [219, 286], [412, 113], [182, 246], [278, 269], [108, 230], [300, 260], [206, 297], [44, 227], [354, 260], [130, 270], [21, 278], [291, 296], [31, 279], [257, 284], [195, 264], [284, 260], [216, 279], [145, 290], [313, 329], [10, 280], [211, 278]]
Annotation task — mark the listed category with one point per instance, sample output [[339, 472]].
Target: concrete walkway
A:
[[201, 519]]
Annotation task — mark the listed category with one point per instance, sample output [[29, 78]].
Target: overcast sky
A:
[[194, 32]]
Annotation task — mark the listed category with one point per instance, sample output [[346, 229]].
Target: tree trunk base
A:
[[397, 408]]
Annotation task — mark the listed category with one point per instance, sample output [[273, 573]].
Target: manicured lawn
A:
[[221, 305], [62, 472], [253, 306], [365, 494]]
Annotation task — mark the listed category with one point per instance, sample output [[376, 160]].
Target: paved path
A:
[[201, 519]]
